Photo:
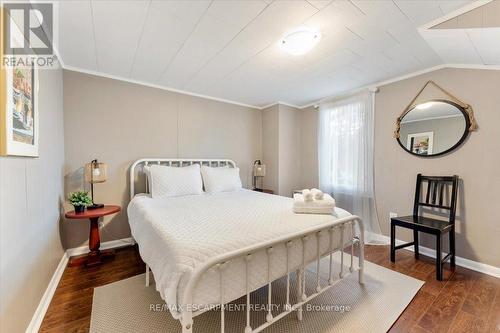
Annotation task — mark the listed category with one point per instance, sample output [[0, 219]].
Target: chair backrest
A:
[[434, 196]]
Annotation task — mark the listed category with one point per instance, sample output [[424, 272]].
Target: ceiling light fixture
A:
[[300, 41]]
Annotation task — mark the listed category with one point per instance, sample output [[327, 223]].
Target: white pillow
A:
[[165, 181], [221, 179]]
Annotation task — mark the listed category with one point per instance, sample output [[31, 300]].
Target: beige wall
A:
[[270, 147], [477, 161], [309, 148], [31, 195], [289, 149], [281, 148], [119, 122]]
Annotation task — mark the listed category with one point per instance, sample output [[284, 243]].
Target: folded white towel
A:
[[307, 195], [325, 206], [318, 194]]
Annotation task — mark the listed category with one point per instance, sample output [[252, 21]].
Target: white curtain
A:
[[346, 157]]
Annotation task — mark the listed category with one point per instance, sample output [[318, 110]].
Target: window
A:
[[346, 146], [346, 155]]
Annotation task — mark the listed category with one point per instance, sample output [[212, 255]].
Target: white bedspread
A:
[[177, 234]]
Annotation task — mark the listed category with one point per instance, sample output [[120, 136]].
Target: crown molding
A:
[[282, 103], [474, 66], [373, 86], [377, 85], [289, 105], [268, 105], [433, 69], [156, 86]]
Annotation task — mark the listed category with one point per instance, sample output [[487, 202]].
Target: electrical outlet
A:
[[101, 224], [392, 214]]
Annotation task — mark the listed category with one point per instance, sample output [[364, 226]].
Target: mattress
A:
[[177, 234]]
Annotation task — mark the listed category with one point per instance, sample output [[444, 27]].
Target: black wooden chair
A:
[[434, 197]]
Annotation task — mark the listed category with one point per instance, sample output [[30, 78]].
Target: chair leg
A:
[[452, 247], [439, 264], [415, 240], [393, 242]]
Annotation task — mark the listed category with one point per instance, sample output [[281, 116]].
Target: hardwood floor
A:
[[71, 305], [465, 301]]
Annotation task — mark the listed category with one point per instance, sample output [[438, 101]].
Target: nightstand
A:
[[95, 256]]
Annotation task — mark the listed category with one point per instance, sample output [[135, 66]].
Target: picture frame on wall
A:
[[19, 130], [420, 143]]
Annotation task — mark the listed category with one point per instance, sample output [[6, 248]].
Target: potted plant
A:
[[80, 200]]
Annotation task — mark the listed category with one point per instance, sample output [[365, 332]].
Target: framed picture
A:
[[420, 143], [19, 111]]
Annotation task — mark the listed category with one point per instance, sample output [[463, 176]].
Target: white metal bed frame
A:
[[219, 262]]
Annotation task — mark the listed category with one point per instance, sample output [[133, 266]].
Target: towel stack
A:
[[313, 202]]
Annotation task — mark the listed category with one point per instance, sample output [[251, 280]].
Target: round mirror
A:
[[433, 128]]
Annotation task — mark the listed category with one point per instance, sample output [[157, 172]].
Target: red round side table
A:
[[95, 256]]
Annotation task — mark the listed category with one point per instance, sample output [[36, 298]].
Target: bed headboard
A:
[[138, 177]]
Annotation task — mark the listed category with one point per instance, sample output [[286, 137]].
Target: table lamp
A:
[[259, 171], [95, 172]]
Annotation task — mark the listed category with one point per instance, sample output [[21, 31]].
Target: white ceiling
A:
[[470, 38], [229, 50], [466, 46]]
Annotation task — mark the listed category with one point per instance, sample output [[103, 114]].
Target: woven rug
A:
[[129, 306]]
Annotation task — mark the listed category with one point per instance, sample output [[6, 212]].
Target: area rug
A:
[[129, 306]]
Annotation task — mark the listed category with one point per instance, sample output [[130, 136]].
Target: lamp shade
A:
[[259, 170], [95, 172]]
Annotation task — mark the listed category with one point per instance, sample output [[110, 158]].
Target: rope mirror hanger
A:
[[411, 105]]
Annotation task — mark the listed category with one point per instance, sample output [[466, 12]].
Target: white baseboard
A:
[[104, 246], [379, 239], [466, 263], [40, 311]]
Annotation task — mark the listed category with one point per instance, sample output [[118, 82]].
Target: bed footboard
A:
[[313, 234]]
